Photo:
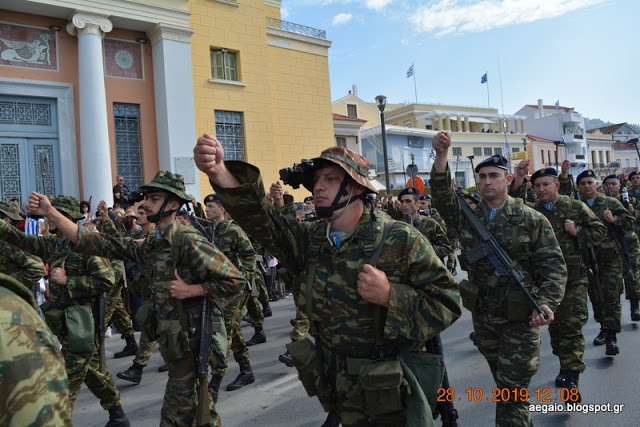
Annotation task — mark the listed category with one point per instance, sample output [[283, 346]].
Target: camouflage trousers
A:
[[115, 312], [145, 348], [235, 339], [263, 294], [301, 328], [567, 339], [608, 312], [254, 309], [180, 397], [512, 350], [83, 368], [632, 284]]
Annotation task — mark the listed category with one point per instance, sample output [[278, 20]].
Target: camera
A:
[[135, 197], [296, 175]]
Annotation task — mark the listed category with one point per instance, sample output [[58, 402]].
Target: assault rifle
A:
[[593, 272], [448, 414], [102, 330], [491, 249], [622, 242]]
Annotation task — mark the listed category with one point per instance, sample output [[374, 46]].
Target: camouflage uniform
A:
[[87, 276], [342, 321], [435, 234], [609, 312], [632, 284], [33, 380], [235, 245], [567, 185], [199, 262], [259, 295], [512, 348], [114, 306]]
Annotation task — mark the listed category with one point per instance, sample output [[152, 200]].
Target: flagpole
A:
[[415, 88], [504, 120], [488, 100]]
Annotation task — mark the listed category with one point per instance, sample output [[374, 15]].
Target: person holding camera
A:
[[368, 317]]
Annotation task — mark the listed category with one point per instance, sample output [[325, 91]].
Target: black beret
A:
[[211, 198], [409, 190], [612, 176], [425, 197], [634, 173], [309, 199], [586, 174], [544, 172], [496, 161]]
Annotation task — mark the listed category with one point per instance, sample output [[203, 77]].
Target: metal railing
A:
[[296, 28]]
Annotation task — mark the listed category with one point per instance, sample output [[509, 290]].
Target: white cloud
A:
[[284, 12], [377, 4], [341, 18], [450, 16]]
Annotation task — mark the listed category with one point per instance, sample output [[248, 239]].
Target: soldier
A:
[[425, 224], [309, 207], [567, 185], [506, 327], [576, 228], [183, 217], [634, 177], [336, 287], [26, 269], [35, 389], [617, 220], [236, 246], [75, 280], [181, 276], [629, 245]]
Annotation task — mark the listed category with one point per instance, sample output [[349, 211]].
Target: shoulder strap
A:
[[176, 244], [378, 311]]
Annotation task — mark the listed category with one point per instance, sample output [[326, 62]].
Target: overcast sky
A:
[[583, 53]]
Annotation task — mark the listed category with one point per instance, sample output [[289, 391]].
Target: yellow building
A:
[[260, 84]]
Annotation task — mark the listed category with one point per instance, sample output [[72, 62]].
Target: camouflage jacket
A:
[[436, 235], [199, 262], [567, 185], [523, 233], [235, 245], [87, 275], [33, 378], [624, 223], [424, 298], [26, 269]]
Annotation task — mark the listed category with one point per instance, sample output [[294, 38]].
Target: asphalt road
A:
[[278, 399]]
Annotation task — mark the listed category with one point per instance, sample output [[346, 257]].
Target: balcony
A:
[[571, 118], [296, 28]]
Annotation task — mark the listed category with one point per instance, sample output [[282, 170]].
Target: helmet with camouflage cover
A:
[[356, 166], [69, 205], [10, 209], [167, 181]]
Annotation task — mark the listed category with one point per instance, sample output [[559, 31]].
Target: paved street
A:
[[278, 399]]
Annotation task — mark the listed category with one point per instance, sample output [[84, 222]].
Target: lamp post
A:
[[382, 102], [558, 144]]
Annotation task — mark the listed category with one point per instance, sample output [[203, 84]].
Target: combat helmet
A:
[[69, 205], [11, 209], [167, 181], [356, 166]]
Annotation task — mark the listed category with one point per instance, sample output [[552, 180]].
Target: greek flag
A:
[[484, 79], [557, 104], [432, 155], [32, 226], [457, 160], [410, 71]]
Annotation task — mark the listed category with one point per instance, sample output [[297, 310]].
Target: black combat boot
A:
[[258, 338], [331, 421], [214, 387], [561, 378], [266, 310], [133, 374], [571, 381], [612, 344], [117, 418], [293, 322], [635, 310], [163, 368], [129, 350], [286, 359], [246, 377], [601, 338]]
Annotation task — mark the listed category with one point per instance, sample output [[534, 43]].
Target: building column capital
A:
[[88, 23], [170, 32]]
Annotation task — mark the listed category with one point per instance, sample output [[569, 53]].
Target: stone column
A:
[[175, 112], [94, 130], [467, 128]]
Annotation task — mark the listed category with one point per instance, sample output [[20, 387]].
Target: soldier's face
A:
[[493, 182], [588, 187], [565, 166], [184, 220], [612, 187], [213, 210], [154, 201], [546, 189], [326, 183], [142, 217], [423, 204], [408, 205], [635, 181], [309, 205]]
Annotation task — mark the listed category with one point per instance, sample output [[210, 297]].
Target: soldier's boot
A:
[[245, 378], [612, 344], [133, 374], [286, 359], [635, 310], [163, 368], [293, 322], [129, 350], [472, 337], [331, 421], [571, 381], [214, 387], [561, 378], [266, 310], [117, 418], [247, 318], [601, 338], [258, 338]]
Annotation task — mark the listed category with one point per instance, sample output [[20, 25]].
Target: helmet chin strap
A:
[[326, 212], [161, 213]]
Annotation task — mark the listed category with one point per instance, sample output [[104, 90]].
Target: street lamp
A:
[[558, 144], [382, 102]]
